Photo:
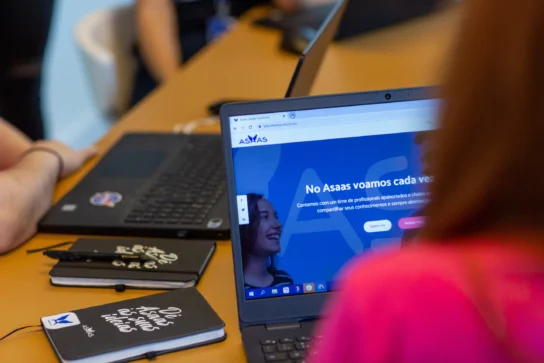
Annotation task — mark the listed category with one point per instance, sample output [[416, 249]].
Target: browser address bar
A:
[[351, 118]]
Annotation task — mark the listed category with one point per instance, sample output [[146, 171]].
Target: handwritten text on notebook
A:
[[159, 256], [144, 318]]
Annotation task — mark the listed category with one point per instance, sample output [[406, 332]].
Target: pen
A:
[[94, 256]]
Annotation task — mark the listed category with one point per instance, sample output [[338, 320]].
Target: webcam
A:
[[388, 96]]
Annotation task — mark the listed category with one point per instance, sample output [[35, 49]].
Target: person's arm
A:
[[287, 6], [26, 189], [157, 27], [359, 320], [12, 144], [341, 327]]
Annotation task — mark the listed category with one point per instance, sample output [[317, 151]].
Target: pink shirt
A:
[[417, 305]]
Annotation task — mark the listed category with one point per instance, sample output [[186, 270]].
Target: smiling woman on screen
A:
[[471, 287], [260, 244]]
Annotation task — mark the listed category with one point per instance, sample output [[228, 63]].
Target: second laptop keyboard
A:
[[187, 191]]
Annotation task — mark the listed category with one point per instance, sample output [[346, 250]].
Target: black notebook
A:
[[134, 329], [175, 264]]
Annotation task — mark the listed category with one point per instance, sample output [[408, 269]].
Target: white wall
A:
[[69, 110]]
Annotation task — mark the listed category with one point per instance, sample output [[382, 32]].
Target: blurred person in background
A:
[[24, 30], [29, 172], [171, 32], [471, 287]]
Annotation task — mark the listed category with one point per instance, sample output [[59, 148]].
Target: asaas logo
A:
[[61, 321], [253, 140]]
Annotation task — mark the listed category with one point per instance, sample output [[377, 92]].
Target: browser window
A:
[[317, 187]]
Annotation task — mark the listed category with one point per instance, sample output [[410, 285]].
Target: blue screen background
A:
[[314, 246]]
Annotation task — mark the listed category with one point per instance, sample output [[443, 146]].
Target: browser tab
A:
[[337, 123]]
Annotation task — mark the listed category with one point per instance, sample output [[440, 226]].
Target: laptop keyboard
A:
[[188, 189], [287, 349]]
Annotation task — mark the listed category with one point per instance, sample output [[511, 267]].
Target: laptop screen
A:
[[317, 187]]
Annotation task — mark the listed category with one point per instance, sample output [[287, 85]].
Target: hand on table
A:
[[72, 159]]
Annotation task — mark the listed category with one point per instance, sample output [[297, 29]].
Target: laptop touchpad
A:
[[134, 164]]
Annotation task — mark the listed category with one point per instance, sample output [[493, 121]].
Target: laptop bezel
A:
[[295, 307]]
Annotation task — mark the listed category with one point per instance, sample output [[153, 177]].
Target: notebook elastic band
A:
[[18, 329], [49, 247], [151, 355], [120, 288]]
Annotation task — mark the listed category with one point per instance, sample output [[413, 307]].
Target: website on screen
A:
[[315, 188]]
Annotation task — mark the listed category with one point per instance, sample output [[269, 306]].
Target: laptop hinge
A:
[[282, 326]]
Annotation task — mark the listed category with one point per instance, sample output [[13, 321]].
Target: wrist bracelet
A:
[[50, 151]]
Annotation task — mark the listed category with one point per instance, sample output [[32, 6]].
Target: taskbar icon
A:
[[309, 288]]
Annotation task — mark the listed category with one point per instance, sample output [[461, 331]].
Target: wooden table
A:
[[244, 64]]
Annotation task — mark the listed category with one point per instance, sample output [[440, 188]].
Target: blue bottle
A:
[[221, 22]]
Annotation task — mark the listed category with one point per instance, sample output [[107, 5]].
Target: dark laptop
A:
[[361, 16], [310, 59], [323, 180], [166, 185]]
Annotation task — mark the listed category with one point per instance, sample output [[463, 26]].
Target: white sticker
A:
[[215, 223], [69, 208], [60, 321]]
